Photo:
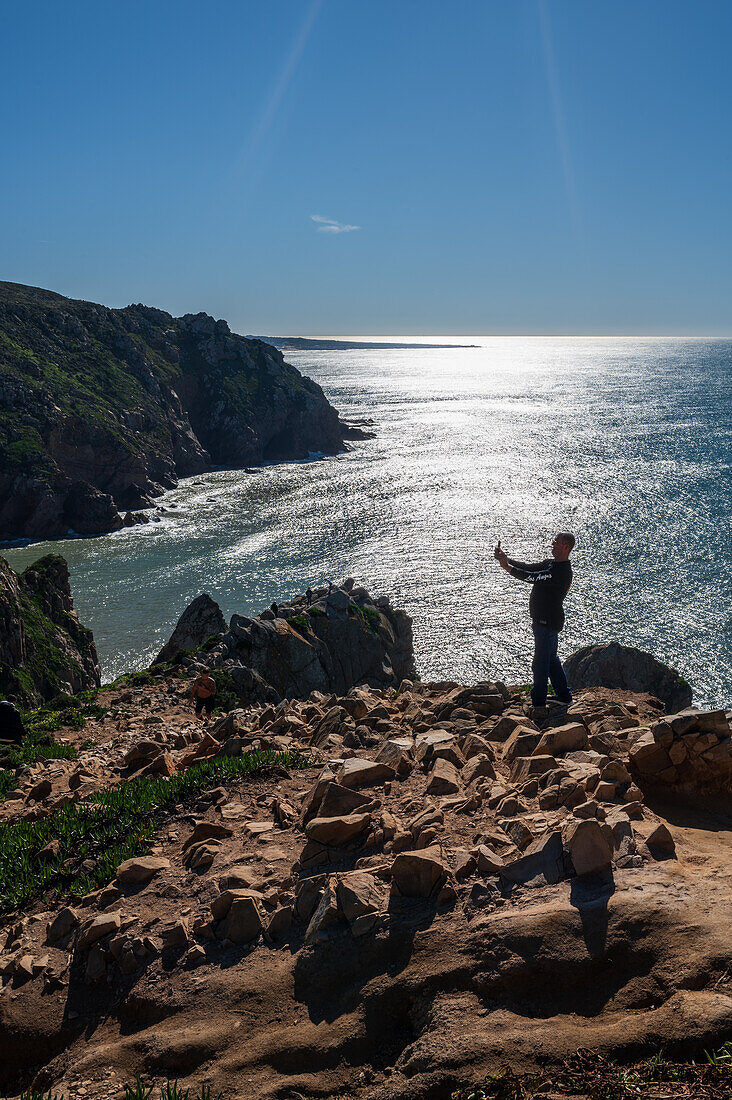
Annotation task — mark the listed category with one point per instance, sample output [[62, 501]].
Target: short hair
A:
[[567, 538]]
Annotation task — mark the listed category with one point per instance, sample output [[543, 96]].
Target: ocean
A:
[[625, 442]]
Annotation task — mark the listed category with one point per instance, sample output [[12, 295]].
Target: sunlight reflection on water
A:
[[626, 442]]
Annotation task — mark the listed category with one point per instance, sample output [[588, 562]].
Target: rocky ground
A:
[[434, 887]]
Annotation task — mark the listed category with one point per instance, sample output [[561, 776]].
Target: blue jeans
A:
[[547, 666]]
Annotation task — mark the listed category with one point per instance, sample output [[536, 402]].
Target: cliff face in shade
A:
[[102, 409], [44, 649]]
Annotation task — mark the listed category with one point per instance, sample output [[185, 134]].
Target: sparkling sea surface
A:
[[625, 442]]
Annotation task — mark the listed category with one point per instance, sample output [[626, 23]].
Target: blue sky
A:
[[501, 165]]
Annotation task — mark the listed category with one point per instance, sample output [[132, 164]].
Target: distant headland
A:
[[300, 343]]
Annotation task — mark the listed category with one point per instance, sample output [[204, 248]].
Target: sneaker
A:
[[538, 712]]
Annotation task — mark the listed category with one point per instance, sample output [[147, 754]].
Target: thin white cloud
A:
[[330, 225]]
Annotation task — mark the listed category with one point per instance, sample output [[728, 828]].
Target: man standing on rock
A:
[[551, 580]]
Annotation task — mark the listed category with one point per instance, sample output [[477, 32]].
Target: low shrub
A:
[[301, 622], [111, 826]]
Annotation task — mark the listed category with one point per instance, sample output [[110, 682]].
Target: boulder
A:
[[588, 847], [357, 773], [207, 830], [335, 831], [327, 915], [647, 757], [358, 894], [488, 861], [544, 857], [618, 666], [418, 874], [661, 840], [444, 778], [478, 767], [65, 922], [140, 869], [200, 620], [243, 922], [525, 767], [522, 742], [103, 925], [571, 737]]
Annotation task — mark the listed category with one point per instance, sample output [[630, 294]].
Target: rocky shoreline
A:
[[102, 410]]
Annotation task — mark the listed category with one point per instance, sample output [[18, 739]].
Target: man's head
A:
[[562, 545]]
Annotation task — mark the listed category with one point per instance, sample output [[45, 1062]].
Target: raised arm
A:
[[539, 571]]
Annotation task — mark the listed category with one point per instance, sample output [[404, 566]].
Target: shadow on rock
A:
[[589, 895]]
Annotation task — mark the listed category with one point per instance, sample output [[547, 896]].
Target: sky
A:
[[367, 167]]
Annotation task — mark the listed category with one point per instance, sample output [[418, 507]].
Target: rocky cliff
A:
[[339, 639], [44, 649], [101, 409]]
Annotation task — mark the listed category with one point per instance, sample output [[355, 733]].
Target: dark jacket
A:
[[551, 580]]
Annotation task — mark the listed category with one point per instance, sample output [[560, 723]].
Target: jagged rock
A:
[[243, 922], [568, 738], [201, 619], [96, 965], [521, 742], [588, 847], [418, 874], [478, 767], [140, 869], [279, 922], [617, 666], [357, 773], [63, 924], [335, 831], [444, 778], [660, 839], [103, 925], [207, 830], [326, 916], [358, 895], [396, 754], [543, 857], [41, 791], [524, 767], [488, 861]]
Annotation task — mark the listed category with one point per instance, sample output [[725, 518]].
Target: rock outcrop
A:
[[619, 666], [201, 620], [44, 649], [341, 639], [689, 753], [101, 409]]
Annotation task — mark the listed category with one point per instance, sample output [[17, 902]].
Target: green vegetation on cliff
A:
[[101, 409], [44, 649]]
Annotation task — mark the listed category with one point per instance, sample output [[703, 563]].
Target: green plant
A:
[[138, 1092], [720, 1060], [369, 616], [316, 612], [171, 1090], [111, 826], [300, 622]]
